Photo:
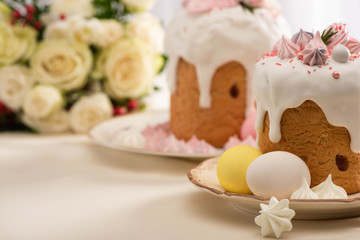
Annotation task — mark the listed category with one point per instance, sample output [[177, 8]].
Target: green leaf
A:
[[325, 36]]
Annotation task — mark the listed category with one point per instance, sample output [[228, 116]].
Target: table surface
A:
[[66, 187]]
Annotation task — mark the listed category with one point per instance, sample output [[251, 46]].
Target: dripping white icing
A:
[[282, 84], [211, 40]]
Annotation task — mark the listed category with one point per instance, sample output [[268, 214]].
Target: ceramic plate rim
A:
[[257, 198]]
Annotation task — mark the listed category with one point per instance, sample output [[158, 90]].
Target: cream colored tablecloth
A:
[[68, 188]]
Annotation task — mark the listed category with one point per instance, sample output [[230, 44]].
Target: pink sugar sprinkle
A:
[[293, 67], [263, 63], [291, 60], [279, 64], [308, 72], [330, 68], [351, 59]]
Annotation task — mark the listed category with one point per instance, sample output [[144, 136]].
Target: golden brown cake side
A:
[[325, 148], [216, 124]]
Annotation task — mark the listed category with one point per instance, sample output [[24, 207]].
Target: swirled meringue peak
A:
[[340, 35], [315, 51], [328, 190], [287, 49], [302, 38], [304, 192], [353, 45], [275, 218]]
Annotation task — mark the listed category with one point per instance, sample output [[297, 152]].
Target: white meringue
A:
[[328, 190], [304, 192], [275, 218], [129, 138]]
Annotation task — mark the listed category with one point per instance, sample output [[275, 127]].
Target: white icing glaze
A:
[[304, 192], [328, 190], [282, 84], [275, 218], [129, 138], [211, 40]]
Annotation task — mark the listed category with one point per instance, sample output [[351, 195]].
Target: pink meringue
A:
[[315, 51], [255, 3], [276, 47], [302, 38], [353, 45], [235, 141], [341, 36], [287, 49], [248, 127]]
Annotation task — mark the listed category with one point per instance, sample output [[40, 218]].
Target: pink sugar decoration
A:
[[263, 63], [330, 68], [308, 72], [336, 75], [341, 37], [279, 64], [291, 60]]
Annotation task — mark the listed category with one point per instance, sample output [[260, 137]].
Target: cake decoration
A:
[[336, 33], [302, 38], [275, 218], [328, 190], [315, 51], [304, 192], [235, 141], [248, 127], [232, 166], [129, 138], [287, 49], [340, 53], [276, 174], [354, 46]]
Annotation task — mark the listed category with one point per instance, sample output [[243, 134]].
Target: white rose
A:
[[138, 5], [90, 111], [68, 8], [84, 31], [148, 29], [129, 68], [15, 82], [57, 30], [111, 31], [5, 12], [17, 43], [42, 101], [62, 63], [57, 122]]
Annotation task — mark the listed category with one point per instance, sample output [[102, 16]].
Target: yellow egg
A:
[[232, 167]]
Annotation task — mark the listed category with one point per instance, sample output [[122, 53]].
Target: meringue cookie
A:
[[353, 45], [130, 138], [304, 192], [302, 38], [315, 51], [287, 49], [275, 218], [328, 190], [341, 36]]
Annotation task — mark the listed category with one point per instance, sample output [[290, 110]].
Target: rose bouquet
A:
[[68, 65]]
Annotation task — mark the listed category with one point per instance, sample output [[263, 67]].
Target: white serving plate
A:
[[103, 134], [204, 177]]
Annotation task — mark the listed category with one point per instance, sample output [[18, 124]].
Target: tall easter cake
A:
[[307, 94], [212, 47]]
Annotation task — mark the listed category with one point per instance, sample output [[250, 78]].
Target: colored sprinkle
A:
[[279, 64], [291, 60], [263, 63], [293, 67], [336, 75], [351, 59], [330, 68], [257, 60], [308, 72]]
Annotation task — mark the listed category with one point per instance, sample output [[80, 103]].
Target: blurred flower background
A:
[[68, 65]]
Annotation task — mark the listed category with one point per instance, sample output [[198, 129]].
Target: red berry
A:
[[29, 18], [118, 111], [132, 104], [1, 108], [38, 25], [16, 14], [8, 111], [62, 16], [30, 9]]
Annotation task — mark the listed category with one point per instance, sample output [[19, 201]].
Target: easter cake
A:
[[307, 93], [212, 48]]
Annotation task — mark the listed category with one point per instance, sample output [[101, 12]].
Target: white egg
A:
[[340, 53], [277, 174]]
